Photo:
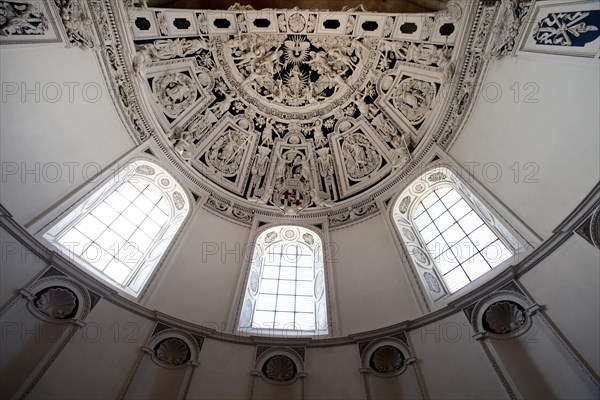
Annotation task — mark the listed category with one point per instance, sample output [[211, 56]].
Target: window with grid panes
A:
[[123, 232], [461, 244], [286, 287]]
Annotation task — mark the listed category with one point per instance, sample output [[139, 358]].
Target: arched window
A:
[[285, 291], [121, 231], [449, 233]]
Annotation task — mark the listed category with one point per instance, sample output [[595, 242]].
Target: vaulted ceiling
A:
[[292, 109]]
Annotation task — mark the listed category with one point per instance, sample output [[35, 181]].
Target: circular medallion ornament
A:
[[172, 351], [319, 285], [386, 360], [291, 197], [175, 92], [414, 98], [57, 302], [408, 234], [484, 210], [253, 282], [145, 170], [271, 236], [419, 188], [296, 23], [178, 200], [432, 283], [419, 255], [246, 317], [165, 182], [308, 239], [403, 206]]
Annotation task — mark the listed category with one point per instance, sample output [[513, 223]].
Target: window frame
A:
[[145, 269], [425, 269], [246, 294]]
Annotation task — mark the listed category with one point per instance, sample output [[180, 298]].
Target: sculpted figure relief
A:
[[21, 19], [360, 157]]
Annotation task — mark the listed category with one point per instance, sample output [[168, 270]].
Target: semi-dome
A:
[[308, 201]]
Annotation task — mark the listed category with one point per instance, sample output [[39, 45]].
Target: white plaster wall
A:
[[452, 363], [559, 134], [224, 371], [98, 360], [62, 137], [566, 284], [19, 265], [199, 278], [333, 373], [371, 286]]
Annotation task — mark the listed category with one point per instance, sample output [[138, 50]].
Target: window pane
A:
[[158, 216], [496, 253], [304, 288], [437, 246], [451, 198], [117, 271], [285, 303], [444, 221], [263, 319], [306, 321], [266, 302], [459, 209], [470, 222], [270, 272], [418, 210], [304, 274], [144, 204], [287, 287], [284, 320], [91, 227], [105, 213], [475, 267], [153, 194], [456, 279], [117, 201], [123, 227], [422, 221], [453, 234], [436, 210], [149, 227], [75, 241], [269, 286], [128, 191], [443, 191], [429, 200], [446, 261], [287, 273], [134, 215], [110, 241], [482, 237], [429, 233], [140, 241], [96, 256]]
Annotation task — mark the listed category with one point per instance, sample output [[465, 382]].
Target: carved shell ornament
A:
[[280, 368], [172, 351], [504, 317], [57, 302], [386, 359]]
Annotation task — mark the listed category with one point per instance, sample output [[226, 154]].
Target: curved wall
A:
[[195, 290]]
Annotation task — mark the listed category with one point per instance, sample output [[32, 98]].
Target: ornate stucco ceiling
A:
[[293, 112], [294, 109]]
